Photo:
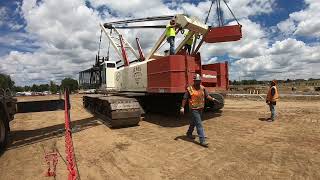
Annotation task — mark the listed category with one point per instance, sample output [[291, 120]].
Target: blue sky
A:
[[282, 9], [51, 39]]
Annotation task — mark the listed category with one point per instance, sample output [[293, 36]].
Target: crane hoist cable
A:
[[231, 12], [108, 52], [109, 46], [219, 12], [205, 22], [100, 43]]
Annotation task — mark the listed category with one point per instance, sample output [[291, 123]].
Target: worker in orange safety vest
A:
[[272, 98], [196, 95]]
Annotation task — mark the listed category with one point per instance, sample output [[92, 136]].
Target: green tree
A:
[[27, 88], [35, 88], [43, 87], [235, 82], [53, 87], [18, 89], [69, 83], [6, 82]]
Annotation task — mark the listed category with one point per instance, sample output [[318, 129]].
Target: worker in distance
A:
[[272, 98]]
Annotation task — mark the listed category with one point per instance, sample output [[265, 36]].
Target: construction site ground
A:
[[242, 145]]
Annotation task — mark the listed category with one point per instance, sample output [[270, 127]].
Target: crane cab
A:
[[102, 76], [108, 75]]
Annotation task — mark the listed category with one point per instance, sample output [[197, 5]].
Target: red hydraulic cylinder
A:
[[124, 53], [140, 50]]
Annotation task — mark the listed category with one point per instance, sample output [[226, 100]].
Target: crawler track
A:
[[117, 111]]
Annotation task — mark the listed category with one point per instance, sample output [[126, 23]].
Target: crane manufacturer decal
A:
[[137, 74]]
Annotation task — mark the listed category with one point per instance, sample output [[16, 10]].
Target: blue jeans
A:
[[196, 122], [273, 110], [171, 42]]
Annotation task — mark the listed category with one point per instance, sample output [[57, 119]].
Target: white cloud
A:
[[6, 19], [287, 27], [14, 26], [284, 59], [20, 41], [61, 37], [245, 8], [241, 9], [305, 22], [3, 15], [66, 35], [135, 8], [211, 61]]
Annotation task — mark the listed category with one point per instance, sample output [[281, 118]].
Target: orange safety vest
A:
[[276, 95], [196, 100]]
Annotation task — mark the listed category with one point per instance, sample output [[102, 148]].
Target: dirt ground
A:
[[241, 145]]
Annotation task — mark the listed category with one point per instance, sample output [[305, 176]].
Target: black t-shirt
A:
[[273, 91]]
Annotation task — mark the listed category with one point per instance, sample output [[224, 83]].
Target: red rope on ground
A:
[[51, 159], [71, 165]]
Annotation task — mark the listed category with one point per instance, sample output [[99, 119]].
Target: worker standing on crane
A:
[[171, 34], [196, 95], [272, 98], [188, 44]]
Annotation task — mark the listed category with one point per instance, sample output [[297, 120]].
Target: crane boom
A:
[[155, 18], [184, 22], [192, 24]]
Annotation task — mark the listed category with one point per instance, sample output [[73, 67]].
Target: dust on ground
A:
[[242, 145]]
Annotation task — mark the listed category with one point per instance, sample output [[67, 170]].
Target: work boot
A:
[[190, 136], [204, 144]]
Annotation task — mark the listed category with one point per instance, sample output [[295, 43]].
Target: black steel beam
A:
[[155, 18], [110, 26]]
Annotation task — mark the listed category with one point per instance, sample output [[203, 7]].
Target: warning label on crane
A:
[[137, 74]]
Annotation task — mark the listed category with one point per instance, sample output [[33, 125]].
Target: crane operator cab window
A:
[[111, 65]]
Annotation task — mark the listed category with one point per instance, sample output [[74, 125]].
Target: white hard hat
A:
[[197, 77]]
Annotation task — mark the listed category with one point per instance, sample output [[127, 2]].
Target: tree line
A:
[[7, 82], [248, 82], [256, 82]]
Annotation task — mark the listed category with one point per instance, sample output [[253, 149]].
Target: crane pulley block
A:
[[223, 34]]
